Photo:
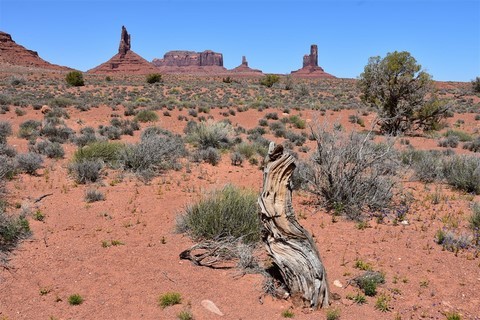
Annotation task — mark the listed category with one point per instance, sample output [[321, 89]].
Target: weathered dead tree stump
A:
[[289, 245]]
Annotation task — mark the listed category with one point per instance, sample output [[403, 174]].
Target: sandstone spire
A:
[[124, 46], [125, 61], [310, 67], [311, 60]]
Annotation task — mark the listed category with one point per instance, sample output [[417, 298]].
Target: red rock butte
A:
[[310, 67], [191, 62], [245, 70], [14, 54], [125, 61]]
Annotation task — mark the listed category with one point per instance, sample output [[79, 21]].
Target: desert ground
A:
[[120, 254]]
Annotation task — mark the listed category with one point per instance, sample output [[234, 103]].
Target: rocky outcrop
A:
[[310, 67], [180, 61], [180, 58], [245, 70], [14, 54], [125, 61], [124, 46]]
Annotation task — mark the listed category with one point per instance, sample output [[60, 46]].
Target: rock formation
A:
[[245, 70], [14, 54], [125, 61], [124, 46], [179, 61], [310, 67]]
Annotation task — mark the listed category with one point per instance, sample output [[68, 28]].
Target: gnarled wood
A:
[[289, 245]]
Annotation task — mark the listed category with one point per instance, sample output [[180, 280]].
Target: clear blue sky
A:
[[444, 36]]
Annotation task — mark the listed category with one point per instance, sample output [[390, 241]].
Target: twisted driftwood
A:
[[289, 245]]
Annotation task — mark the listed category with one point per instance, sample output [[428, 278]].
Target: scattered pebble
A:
[[337, 283], [210, 306]]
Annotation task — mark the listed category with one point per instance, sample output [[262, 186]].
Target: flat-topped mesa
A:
[[14, 54], [191, 62], [181, 58], [310, 67], [125, 61], [124, 45]]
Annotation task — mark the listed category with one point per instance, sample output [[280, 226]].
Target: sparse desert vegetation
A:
[[102, 183]]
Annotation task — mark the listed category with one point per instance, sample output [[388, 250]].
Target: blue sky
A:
[[444, 36]]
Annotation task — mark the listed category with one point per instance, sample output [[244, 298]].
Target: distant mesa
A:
[[310, 67], [14, 54], [125, 61], [245, 70], [180, 61]]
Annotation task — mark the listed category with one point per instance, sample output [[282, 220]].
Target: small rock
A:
[[404, 222], [337, 283], [210, 306]]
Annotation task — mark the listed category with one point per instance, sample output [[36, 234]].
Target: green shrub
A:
[[463, 173], [146, 116], [288, 314], [454, 315], [185, 315], [108, 152], [368, 282], [269, 80], [297, 122], [75, 299], [75, 78], [358, 298], [462, 136], [402, 104], [382, 303], [228, 212], [169, 299], [12, 230], [212, 134], [154, 78], [333, 314]]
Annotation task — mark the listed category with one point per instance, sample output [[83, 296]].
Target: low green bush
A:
[[218, 135], [146, 116], [75, 78], [228, 212], [269, 80], [12, 230], [463, 172], [154, 78], [106, 151], [169, 299]]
